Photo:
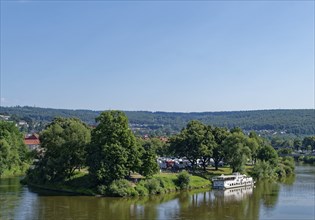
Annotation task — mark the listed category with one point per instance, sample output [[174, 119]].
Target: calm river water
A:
[[292, 199]]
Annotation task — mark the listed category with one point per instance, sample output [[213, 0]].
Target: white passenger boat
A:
[[231, 181]]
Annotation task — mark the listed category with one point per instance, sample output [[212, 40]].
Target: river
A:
[[292, 199]]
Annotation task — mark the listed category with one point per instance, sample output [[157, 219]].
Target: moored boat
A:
[[231, 181]]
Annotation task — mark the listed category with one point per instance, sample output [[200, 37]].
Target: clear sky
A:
[[178, 56]]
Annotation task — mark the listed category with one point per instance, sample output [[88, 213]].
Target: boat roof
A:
[[230, 176]]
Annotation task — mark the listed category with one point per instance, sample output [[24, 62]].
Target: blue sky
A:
[[181, 56]]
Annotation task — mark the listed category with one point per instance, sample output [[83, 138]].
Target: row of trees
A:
[[306, 143], [14, 155], [110, 151], [199, 141]]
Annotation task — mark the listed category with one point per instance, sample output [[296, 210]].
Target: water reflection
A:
[[294, 198], [234, 194], [10, 194]]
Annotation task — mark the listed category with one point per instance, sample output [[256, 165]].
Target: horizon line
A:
[[79, 109]]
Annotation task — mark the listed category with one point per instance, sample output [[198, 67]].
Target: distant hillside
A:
[[299, 122]]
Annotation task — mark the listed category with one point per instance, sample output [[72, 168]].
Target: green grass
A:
[[169, 180], [199, 182]]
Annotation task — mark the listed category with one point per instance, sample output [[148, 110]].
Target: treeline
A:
[[267, 122], [110, 152], [305, 144], [198, 141], [14, 155]]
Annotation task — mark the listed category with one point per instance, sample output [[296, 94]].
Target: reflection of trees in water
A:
[[268, 191], [288, 180], [237, 203], [207, 205], [10, 194], [186, 204]]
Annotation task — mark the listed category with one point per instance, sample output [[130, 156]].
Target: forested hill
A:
[[299, 122]]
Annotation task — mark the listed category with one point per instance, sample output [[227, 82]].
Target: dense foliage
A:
[[298, 122], [64, 144], [183, 180], [194, 142], [235, 148], [14, 155], [114, 151], [307, 159]]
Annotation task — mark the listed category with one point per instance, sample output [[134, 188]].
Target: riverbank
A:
[[16, 172], [159, 184]]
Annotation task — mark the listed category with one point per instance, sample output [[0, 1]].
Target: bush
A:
[[288, 164], [281, 171], [121, 188], [288, 170], [300, 158], [263, 170], [153, 186], [309, 159], [183, 180], [102, 189], [142, 191]]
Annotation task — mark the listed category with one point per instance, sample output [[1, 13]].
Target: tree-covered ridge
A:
[[298, 122]]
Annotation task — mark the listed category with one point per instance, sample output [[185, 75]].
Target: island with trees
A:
[[109, 160], [106, 160]]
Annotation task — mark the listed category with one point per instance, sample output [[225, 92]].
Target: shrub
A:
[[288, 170], [102, 189], [309, 159], [153, 186], [121, 188], [263, 170], [300, 158], [142, 191], [183, 180], [288, 164], [281, 171]]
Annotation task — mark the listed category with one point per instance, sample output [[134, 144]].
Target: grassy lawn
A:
[[170, 179]]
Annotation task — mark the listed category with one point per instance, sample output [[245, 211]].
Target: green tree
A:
[[194, 142], [309, 141], [13, 152], [254, 142], [297, 143], [114, 151], [155, 144], [285, 151], [277, 142], [236, 150], [149, 155], [64, 141], [149, 165], [269, 154], [220, 135]]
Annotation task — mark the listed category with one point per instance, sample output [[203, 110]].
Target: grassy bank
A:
[[170, 179], [159, 184]]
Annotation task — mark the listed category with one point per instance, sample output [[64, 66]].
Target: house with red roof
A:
[[32, 141]]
